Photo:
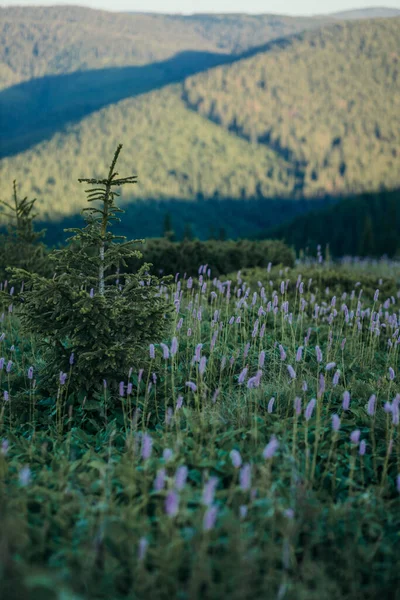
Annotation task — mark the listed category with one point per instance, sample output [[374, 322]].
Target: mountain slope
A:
[[38, 41], [379, 12], [364, 226], [328, 101], [175, 152]]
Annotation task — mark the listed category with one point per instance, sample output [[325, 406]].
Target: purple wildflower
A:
[[318, 353], [121, 389], [376, 295], [391, 374], [309, 409], [330, 366], [143, 544], [197, 355], [271, 405], [174, 346], [336, 378], [245, 477], [292, 372], [209, 491], [355, 436], [236, 458], [335, 422], [9, 366], [304, 386], [152, 351], [362, 448], [180, 477], [242, 375], [346, 401], [270, 448], [215, 396], [147, 446], [179, 402], [25, 476], [202, 365], [129, 389], [165, 350], [299, 354], [282, 352], [167, 454], [71, 359], [172, 503], [191, 385], [210, 518], [261, 359], [4, 447], [398, 483], [159, 481], [6, 396], [30, 373], [371, 405], [297, 405], [63, 378]]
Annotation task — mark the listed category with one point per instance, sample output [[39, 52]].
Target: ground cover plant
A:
[[251, 450]]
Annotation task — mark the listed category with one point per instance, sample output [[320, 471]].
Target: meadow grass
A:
[[256, 453]]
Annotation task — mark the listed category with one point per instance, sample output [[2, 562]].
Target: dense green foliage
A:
[[88, 311], [314, 114], [21, 246], [328, 101], [221, 257], [364, 226], [38, 41], [143, 498]]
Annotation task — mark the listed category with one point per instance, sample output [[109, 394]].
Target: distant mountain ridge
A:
[[368, 13], [313, 111]]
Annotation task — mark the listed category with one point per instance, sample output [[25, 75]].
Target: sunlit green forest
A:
[[259, 112], [328, 102]]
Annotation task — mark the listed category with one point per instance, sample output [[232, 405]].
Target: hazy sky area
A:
[[287, 7]]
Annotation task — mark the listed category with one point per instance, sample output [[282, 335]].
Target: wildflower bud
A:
[[172, 503], [180, 477], [147, 446], [292, 372], [179, 402], [30, 373], [299, 354], [318, 353], [143, 544], [165, 351], [174, 346], [362, 448], [304, 386], [371, 405], [309, 409], [242, 375], [236, 458], [25, 476], [152, 351], [271, 405], [167, 454], [121, 389], [346, 401], [243, 511], [355, 436], [191, 385], [297, 405], [202, 366], [391, 374], [209, 491], [9, 366], [245, 477], [210, 518], [335, 423], [159, 481], [270, 448]]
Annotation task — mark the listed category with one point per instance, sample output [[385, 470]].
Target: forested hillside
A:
[[364, 226], [312, 115], [328, 101], [38, 41]]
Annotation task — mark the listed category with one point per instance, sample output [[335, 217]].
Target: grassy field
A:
[[252, 453]]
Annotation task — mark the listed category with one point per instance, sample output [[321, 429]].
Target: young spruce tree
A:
[[21, 247], [93, 323]]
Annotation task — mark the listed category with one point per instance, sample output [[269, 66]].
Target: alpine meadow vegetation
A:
[[200, 436]]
